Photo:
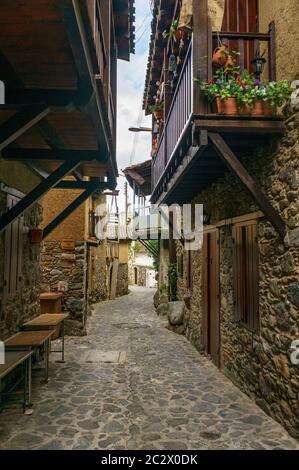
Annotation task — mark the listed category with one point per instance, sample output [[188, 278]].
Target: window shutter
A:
[[13, 253], [237, 272], [246, 274]]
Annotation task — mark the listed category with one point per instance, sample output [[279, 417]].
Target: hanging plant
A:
[[157, 110]]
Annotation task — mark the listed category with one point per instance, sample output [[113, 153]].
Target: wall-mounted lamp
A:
[[259, 64]]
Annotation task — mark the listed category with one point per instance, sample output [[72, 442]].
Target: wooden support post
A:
[[72, 207], [238, 169], [272, 52], [200, 51], [18, 124], [37, 193]]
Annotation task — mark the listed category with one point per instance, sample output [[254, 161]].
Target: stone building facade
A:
[[259, 361], [253, 349], [86, 270], [20, 301]]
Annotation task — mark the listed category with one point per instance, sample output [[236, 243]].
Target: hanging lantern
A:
[[259, 63]]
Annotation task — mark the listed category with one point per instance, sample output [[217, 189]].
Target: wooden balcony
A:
[[187, 160]]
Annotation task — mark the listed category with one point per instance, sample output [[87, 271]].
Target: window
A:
[[13, 253], [246, 274]]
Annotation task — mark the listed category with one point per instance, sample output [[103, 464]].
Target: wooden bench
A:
[[51, 302], [48, 321], [13, 359], [31, 340]]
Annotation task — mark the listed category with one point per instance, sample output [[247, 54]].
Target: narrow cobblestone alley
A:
[[132, 384]]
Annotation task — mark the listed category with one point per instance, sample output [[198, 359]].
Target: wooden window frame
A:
[[13, 253], [246, 274], [189, 269]]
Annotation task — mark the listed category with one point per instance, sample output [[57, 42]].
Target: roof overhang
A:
[[124, 21], [139, 177]]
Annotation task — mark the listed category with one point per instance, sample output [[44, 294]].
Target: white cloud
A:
[[131, 80]]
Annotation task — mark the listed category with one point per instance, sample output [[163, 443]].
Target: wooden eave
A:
[[45, 62], [55, 116], [139, 177], [162, 16], [124, 21]]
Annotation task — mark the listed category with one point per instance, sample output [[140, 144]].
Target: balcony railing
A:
[[178, 119], [188, 103]]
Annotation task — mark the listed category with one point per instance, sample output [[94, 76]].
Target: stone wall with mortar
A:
[[98, 289], [285, 15], [122, 280], [24, 304], [66, 270], [259, 363]]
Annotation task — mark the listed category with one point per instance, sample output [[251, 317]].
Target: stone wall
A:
[[122, 280], [24, 304], [285, 15], [259, 363], [97, 274], [66, 270]]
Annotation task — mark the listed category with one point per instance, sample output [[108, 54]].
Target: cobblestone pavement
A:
[[132, 384]]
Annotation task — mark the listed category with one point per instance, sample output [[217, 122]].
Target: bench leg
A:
[[63, 342], [47, 354], [29, 380], [25, 372]]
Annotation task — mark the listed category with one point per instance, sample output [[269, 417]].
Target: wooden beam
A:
[[57, 154], [68, 184], [53, 98], [200, 54], [73, 206], [231, 160], [18, 124], [71, 15], [39, 191], [51, 137]]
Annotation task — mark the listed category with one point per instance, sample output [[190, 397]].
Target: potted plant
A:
[[35, 235], [157, 110], [220, 56], [267, 97], [174, 32], [232, 93]]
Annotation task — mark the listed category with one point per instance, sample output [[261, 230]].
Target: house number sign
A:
[[294, 356]]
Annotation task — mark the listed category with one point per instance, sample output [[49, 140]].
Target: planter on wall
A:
[[35, 235], [159, 114], [263, 108], [227, 107]]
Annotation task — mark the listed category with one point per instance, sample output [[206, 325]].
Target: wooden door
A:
[[211, 296]]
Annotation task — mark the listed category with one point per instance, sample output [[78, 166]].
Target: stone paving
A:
[[132, 384]]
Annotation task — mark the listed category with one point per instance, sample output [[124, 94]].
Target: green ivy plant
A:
[[173, 279], [156, 107], [172, 30]]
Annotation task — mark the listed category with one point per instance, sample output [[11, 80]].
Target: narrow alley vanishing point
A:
[[133, 384]]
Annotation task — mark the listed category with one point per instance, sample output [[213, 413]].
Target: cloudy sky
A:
[[131, 79]]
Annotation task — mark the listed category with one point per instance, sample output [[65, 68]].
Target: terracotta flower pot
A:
[[229, 62], [159, 114], [179, 35], [245, 110], [228, 106], [263, 108], [36, 235], [219, 58]]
